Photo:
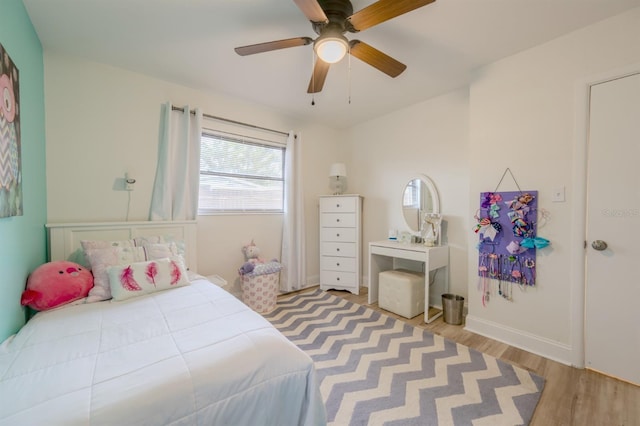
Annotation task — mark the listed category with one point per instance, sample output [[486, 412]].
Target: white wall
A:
[[428, 138], [103, 121], [522, 112]]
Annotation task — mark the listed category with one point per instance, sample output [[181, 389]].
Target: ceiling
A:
[[190, 42]]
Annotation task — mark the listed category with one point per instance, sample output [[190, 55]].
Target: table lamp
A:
[[338, 178]]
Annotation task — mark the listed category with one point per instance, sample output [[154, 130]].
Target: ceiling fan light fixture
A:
[[331, 48], [330, 20]]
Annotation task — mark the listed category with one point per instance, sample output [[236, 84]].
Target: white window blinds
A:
[[238, 175]]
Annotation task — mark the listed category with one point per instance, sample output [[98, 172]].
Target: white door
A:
[[612, 333]]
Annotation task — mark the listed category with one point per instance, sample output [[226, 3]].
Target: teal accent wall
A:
[[23, 238]]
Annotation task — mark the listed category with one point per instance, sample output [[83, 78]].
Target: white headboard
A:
[[64, 238]]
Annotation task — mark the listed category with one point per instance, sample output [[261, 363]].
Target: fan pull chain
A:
[[313, 77], [349, 74]]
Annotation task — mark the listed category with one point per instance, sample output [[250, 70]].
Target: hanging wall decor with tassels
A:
[[507, 229]]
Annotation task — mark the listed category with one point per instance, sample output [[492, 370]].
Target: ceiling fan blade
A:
[[272, 45], [376, 58], [311, 10], [320, 71], [383, 10]]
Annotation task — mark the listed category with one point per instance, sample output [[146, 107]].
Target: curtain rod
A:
[[175, 108]]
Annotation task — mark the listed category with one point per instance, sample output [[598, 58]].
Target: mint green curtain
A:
[[175, 190]]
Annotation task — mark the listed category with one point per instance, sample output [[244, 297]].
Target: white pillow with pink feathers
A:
[[139, 278]]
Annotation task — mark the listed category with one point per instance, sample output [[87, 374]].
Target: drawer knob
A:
[[338, 279], [337, 235], [337, 220], [338, 205], [338, 264]]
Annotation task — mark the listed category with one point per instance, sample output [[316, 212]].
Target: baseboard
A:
[[529, 342], [312, 280]]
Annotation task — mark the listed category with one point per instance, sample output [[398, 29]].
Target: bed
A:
[[184, 356]]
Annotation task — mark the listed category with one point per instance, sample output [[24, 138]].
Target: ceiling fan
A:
[[331, 19]]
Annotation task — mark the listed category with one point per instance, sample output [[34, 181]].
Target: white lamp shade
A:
[[338, 169]]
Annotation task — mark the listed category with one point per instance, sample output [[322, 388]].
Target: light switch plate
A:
[[558, 194]]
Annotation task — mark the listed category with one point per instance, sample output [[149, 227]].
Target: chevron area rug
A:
[[377, 370]]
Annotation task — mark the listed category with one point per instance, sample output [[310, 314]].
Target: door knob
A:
[[599, 245]]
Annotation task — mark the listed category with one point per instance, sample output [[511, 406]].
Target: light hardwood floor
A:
[[571, 396]]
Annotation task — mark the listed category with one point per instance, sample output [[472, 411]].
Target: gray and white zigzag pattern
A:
[[376, 370]]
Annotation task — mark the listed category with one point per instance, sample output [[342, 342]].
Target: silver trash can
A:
[[452, 307]]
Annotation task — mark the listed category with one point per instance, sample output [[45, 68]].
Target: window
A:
[[240, 175], [411, 196]]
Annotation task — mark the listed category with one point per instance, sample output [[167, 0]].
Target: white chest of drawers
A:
[[340, 242]]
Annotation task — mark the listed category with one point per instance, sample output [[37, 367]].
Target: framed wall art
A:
[[10, 140]]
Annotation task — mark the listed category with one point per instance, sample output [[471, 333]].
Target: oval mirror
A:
[[419, 197]]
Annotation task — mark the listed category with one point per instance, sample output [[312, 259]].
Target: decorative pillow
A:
[[159, 239], [80, 257], [101, 259], [161, 250], [101, 255], [139, 278], [149, 239]]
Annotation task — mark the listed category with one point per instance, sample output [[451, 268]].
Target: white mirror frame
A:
[[435, 197]]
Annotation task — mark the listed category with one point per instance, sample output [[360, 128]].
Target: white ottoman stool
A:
[[401, 292]]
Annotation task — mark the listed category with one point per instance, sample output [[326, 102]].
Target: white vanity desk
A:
[[386, 255]]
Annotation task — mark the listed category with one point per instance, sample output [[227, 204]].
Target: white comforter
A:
[[185, 356]]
